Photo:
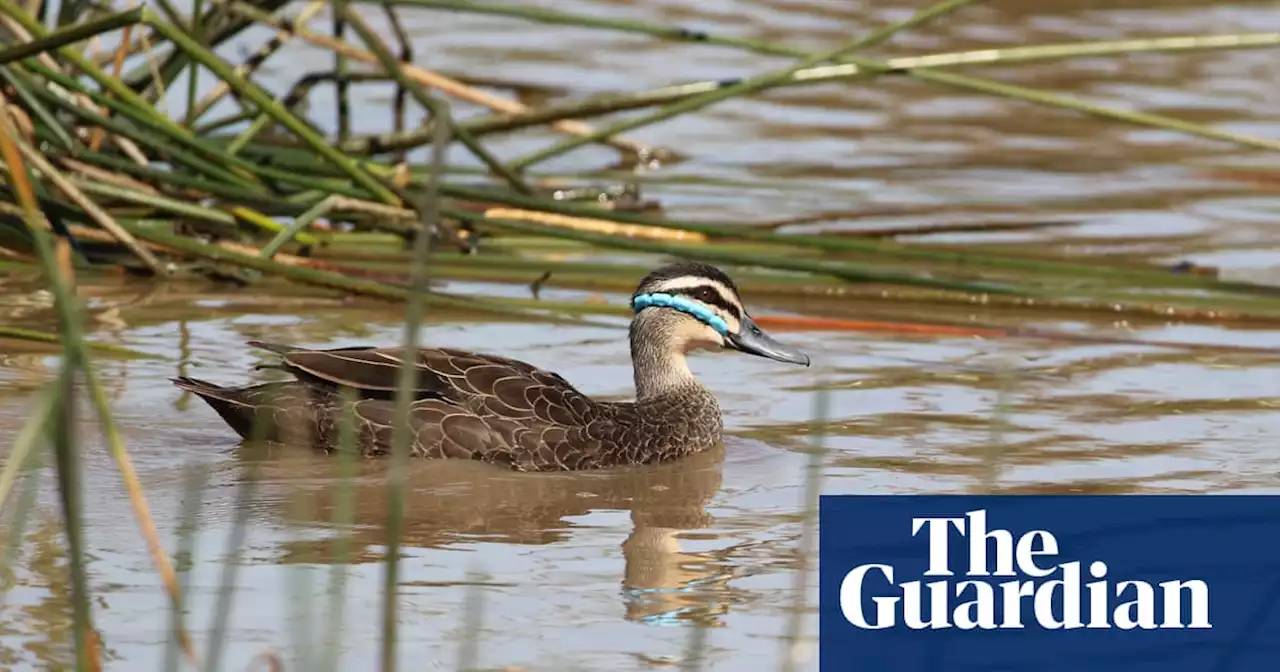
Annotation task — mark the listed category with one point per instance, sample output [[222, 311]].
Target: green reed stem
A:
[[745, 87], [343, 514], [879, 249], [183, 208], [97, 214], [231, 565], [299, 603], [922, 70], [332, 280], [77, 355], [807, 551], [24, 456], [66, 36], [609, 103], [1007, 380], [66, 455], [190, 151], [541, 15], [260, 124], [401, 435], [342, 84], [67, 463], [248, 485], [194, 481], [695, 653], [26, 503], [193, 72], [270, 106], [31, 433], [53, 339], [472, 619], [23, 86], [439, 112], [1005, 55], [303, 221], [123, 94]]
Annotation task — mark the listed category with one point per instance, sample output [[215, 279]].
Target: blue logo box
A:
[[1049, 583]]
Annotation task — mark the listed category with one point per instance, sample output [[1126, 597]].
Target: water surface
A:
[[607, 571]]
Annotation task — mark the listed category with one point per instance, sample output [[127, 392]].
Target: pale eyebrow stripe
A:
[[694, 282]]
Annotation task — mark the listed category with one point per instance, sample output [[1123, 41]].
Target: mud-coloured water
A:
[[606, 571]]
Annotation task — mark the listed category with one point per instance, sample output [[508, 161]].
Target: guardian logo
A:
[[1012, 581], [1049, 583]]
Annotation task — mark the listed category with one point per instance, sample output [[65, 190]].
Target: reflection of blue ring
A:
[[663, 619], [684, 305]]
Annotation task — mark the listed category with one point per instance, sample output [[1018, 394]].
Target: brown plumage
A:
[[499, 410]]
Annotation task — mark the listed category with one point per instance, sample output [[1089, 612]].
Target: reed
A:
[[101, 178]]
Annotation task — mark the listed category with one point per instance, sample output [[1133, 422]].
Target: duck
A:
[[506, 412]]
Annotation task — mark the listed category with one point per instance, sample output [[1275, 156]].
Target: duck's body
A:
[[504, 411]]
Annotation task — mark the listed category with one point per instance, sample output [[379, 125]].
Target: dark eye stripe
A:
[[712, 298]]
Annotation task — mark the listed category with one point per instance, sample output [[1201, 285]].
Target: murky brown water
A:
[[589, 571]]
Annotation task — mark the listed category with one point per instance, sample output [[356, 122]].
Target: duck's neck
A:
[[659, 361]]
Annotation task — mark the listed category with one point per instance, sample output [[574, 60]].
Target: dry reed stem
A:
[[432, 79], [93, 642], [401, 177], [22, 122], [16, 256], [98, 215], [108, 176], [66, 267], [117, 65], [279, 257], [148, 54], [594, 225], [20, 33]]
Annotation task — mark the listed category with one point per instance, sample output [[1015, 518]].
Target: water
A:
[[606, 571]]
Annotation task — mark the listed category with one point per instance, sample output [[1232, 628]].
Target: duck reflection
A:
[[453, 502]]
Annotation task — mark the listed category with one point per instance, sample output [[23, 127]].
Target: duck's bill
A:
[[752, 340]]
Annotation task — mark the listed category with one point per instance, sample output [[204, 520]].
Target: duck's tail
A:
[[236, 405]]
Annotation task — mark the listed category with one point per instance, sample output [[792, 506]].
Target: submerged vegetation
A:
[[241, 188]]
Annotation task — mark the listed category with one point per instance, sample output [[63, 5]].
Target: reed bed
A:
[[98, 178]]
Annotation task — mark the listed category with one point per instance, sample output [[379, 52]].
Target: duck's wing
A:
[[468, 405], [466, 381]]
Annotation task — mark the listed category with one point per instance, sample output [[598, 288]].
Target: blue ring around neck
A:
[[684, 305]]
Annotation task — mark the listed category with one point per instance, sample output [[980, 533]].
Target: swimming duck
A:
[[507, 412]]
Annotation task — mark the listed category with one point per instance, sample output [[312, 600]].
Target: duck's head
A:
[[693, 306]]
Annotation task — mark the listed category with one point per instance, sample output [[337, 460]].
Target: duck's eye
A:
[[704, 294]]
